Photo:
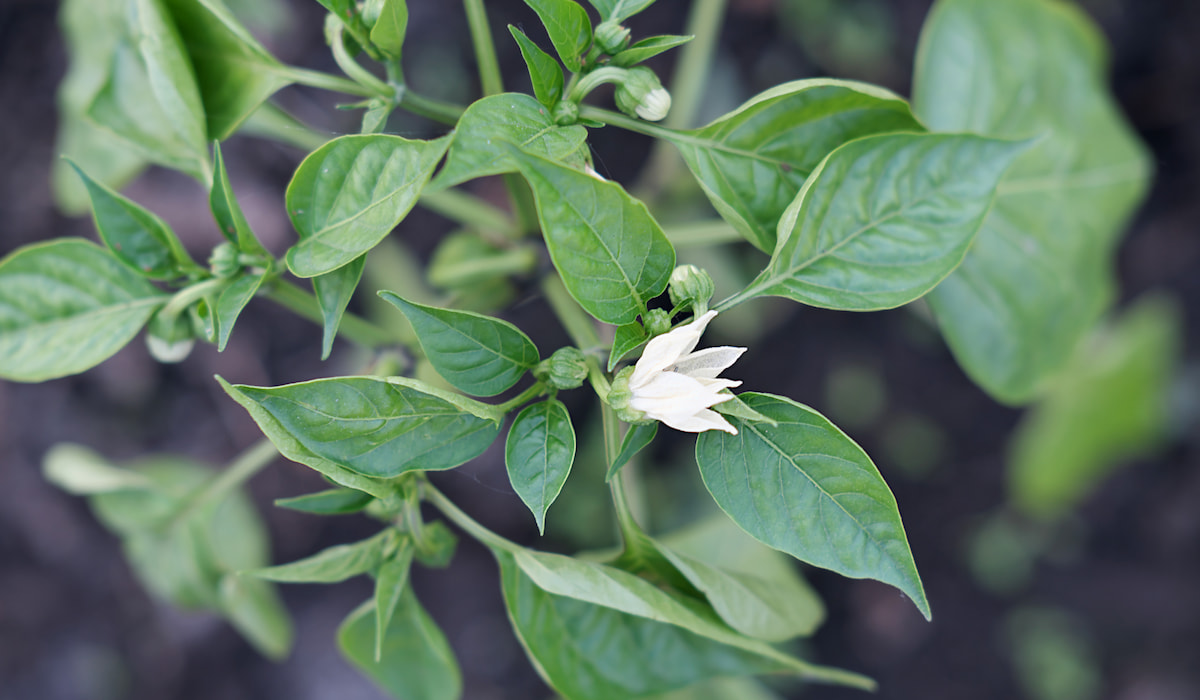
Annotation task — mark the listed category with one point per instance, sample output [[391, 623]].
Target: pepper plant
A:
[[992, 199]]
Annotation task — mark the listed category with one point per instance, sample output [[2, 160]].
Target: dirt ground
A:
[[75, 625]]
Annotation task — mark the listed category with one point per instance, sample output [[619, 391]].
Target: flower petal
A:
[[665, 350], [701, 421], [671, 394], [708, 362]]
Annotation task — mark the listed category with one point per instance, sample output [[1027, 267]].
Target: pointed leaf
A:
[[620, 10], [569, 28], [636, 439], [66, 306], [227, 211], [350, 193], [1040, 274], [329, 502], [753, 161], [612, 255], [628, 337], [231, 302], [545, 72], [883, 219], [334, 290], [333, 564], [255, 610], [489, 129], [805, 488], [538, 454], [417, 662], [648, 48], [390, 584], [479, 355], [388, 33]]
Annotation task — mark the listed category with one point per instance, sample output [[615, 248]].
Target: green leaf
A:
[[234, 73], [620, 10], [255, 610], [612, 255], [490, 127], [227, 211], [477, 354], [231, 302], [538, 454], [135, 235], [1040, 274], [417, 662], [376, 427], [636, 439], [569, 28], [329, 502], [805, 488], [80, 471], [1110, 405], [388, 33], [883, 219], [753, 161], [333, 564], [648, 48], [350, 193], [66, 306], [738, 409], [390, 584], [545, 73], [334, 290], [628, 337]]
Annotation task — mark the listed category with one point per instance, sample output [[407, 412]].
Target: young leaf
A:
[[489, 129], [545, 73], [538, 454], [648, 48], [350, 193], [805, 488], [66, 306], [636, 439], [329, 502], [883, 219], [417, 662], [334, 291], [375, 427], [1046, 246], [628, 337], [390, 584], [569, 28], [135, 235], [612, 255], [620, 10], [255, 610], [479, 355], [333, 564], [752, 161], [231, 302], [227, 211], [388, 33]]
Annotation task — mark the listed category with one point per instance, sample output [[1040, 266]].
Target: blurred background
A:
[[1099, 599]]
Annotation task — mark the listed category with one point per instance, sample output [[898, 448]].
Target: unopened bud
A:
[[224, 260], [170, 339], [642, 95], [691, 286], [656, 322], [565, 113], [611, 37], [565, 369]]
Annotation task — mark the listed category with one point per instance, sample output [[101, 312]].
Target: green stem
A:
[[247, 464], [532, 392], [430, 108], [701, 233], [360, 75], [467, 209], [618, 119], [627, 523], [518, 260], [190, 295], [466, 522], [485, 48], [591, 81], [324, 81], [355, 328], [269, 121]]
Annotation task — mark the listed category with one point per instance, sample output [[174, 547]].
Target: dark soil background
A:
[[75, 625]]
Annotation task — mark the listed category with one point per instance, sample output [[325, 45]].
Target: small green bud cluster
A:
[[692, 287], [656, 321], [611, 37], [641, 94], [565, 369]]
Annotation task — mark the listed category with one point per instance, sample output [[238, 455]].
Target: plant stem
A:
[[430, 108], [355, 328], [623, 492], [190, 295], [485, 48], [247, 464], [325, 81], [466, 522], [578, 324], [618, 119], [467, 209], [356, 72], [532, 392]]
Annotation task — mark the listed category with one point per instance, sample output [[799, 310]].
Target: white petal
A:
[[708, 362], [701, 421], [671, 394], [665, 350]]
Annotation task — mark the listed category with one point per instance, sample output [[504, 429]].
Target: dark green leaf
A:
[[135, 235], [538, 454], [417, 663], [477, 354], [753, 161], [648, 48], [489, 129], [227, 212], [376, 427], [390, 584], [628, 337], [545, 72], [636, 439], [388, 33], [883, 219], [612, 255], [329, 502], [620, 10], [1040, 274], [231, 302], [66, 306], [805, 488], [334, 291], [334, 564], [569, 28], [350, 193], [254, 608]]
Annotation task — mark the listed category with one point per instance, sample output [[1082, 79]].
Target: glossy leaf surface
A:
[[328, 502], [334, 290], [544, 72], [391, 582], [636, 439], [226, 210], [416, 662], [333, 564], [569, 28], [390, 27], [648, 48], [538, 454], [626, 339]]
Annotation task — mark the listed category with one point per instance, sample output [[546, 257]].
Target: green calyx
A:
[[565, 369]]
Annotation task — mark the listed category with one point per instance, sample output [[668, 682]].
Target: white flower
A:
[[655, 105], [672, 384]]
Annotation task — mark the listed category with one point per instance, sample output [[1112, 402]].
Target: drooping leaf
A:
[[753, 161], [489, 129], [805, 488], [627, 338], [636, 439], [648, 48], [334, 290], [545, 72], [1040, 273], [66, 306], [227, 211], [620, 10], [478, 354], [538, 454], [612, 255], [883, 219], [231, 302], [391, 582], [333, 564], [255, 610], [417, 662], [389, 30], [569, 28], [376, 427], [350, 193]]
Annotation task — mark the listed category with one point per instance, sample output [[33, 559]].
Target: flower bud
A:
[[224, 260], [656, 322], [611, 37], [642, 95], [565, 369], [619, 396], [690, 286], [565, 113], [170, 339]]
